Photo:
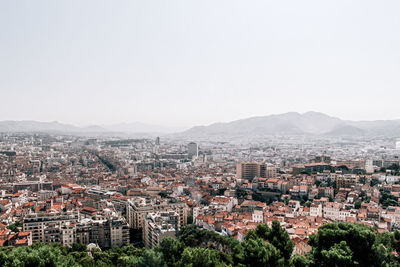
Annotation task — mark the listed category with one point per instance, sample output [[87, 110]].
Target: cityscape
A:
[[207, 133], [109, 191]]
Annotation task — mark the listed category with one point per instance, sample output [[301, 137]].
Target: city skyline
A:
[[181, 64]]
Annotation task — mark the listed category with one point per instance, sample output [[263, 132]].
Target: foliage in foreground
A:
[[336, 244]]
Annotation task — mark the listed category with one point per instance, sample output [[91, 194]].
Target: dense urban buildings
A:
[[111, 191]]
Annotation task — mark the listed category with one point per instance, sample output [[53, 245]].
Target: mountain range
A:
[[292, 123], [57, 127]]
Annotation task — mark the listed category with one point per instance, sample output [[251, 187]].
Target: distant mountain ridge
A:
[[139, 127], [36, 126], [293, 123]]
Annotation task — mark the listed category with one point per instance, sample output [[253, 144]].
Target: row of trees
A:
[[336, 244], [395, 168], [387, 199]]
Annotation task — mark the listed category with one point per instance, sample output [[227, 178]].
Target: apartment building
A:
[[119, 232], [67, 229], [346, 181], [247, 170], [138, 208], [43, 226], [250, 170], [316, 210], [159, 225]]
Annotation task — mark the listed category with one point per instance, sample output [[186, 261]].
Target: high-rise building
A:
[[398, 144], [193, 150], [157, 141]]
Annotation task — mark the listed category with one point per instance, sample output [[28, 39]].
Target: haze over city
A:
[[187, 63]]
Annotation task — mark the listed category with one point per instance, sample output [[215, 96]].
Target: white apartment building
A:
[[316, 210], [138, 208], [159, 225]]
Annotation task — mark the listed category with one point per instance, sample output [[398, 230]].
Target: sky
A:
[[185, 63]]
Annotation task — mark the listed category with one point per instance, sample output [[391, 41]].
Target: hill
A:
[[293, 123]]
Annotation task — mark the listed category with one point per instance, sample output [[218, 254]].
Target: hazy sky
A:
[[183, 63]]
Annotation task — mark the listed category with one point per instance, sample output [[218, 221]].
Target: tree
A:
[[190, 235], [130, 250], [262, 231], [200, 257], [14, 227], [394, 167], [281, 240], [128, 261], [78, 247], [38, 254], [299, 261], [151, 258], [395, 241], [189, 219], [335, 244], [374, 182], [338, 255], [257, 252], [101, 258], [172, 250], [347, 243], [277, 236], [82, 258], [241, 192], [163, 194], [387, 199]]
